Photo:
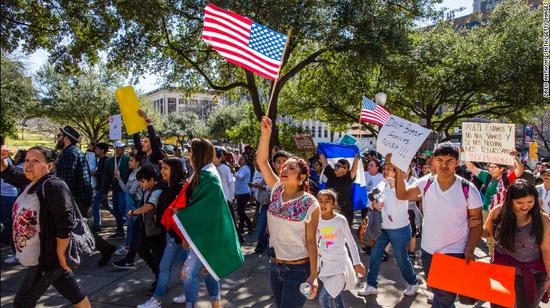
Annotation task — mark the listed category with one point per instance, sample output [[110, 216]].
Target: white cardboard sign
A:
[[401, 138], [488, 142], [115, 127]]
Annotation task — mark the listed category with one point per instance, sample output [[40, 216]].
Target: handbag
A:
[[81, 240]]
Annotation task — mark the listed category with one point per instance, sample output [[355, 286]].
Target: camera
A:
[[375, 195]]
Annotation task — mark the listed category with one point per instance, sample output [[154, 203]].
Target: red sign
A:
[[304, 142]]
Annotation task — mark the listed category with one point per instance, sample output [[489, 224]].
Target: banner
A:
[[488, 142], [304, 142], [129, 106], [348, 139], [115, 127], [401, 138], [487, 282]]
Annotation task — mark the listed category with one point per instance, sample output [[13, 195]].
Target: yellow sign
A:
[[533, 150], [129, 106]]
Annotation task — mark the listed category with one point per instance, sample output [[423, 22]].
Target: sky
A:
[[150, 82]]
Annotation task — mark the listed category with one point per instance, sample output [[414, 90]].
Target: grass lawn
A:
[[30, 138]]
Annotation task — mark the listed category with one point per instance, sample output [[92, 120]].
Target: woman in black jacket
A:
[[44, 218]]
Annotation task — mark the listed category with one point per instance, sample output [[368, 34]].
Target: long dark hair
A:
[[304, 170], [505, 222], [203, 153], [176, 171]]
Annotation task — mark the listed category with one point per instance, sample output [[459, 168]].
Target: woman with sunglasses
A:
[[340, 179], [44, 217]]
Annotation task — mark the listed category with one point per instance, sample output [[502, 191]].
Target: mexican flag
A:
[[207, 225]]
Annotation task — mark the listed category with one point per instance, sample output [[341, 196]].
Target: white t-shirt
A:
[[395, 213], [544, 198], [227, 179], [445, 224], [26, 228], [372, 181]]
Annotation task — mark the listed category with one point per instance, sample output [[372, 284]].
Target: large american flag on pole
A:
[[243, 42], [373, 113]]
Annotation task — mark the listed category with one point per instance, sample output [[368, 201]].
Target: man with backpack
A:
[[450, 203]]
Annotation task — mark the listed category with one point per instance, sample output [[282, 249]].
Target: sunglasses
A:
[[339, 166]]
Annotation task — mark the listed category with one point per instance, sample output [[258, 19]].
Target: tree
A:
[[224, 118], [164, 36], [18, 95], [185, 124], [443, 78], [84, 100], [541, 129]]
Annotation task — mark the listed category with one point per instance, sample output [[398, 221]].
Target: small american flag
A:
[[373, 113], [243, 42]]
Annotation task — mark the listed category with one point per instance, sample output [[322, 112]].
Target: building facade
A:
[[170, 100]]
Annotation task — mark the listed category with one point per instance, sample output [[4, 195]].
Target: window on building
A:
[[326, 133], [181, 102], [161, 103], [172, 106], [314, 131]]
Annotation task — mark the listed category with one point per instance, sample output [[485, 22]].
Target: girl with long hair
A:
[[522, 240], [293, 218]]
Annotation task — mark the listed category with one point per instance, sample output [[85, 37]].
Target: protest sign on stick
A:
[[129, 106], [304, 142], [115, 127], [488, 142], [488, 282], [401, 138]]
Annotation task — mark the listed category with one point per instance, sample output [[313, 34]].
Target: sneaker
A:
[[11, 260], [122, 264], [179, 299], [411, 290], [106, 256], [151, 303], [121, 251], [367, 290]]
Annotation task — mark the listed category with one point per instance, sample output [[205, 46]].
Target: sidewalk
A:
[[247, 287]]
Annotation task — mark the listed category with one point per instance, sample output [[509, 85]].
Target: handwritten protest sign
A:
[[401, 138], [484, 281], [129, 106], [115, 127], [488, 142], [304, 142]]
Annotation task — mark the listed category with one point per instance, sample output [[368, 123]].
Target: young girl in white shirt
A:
[[336, 270]]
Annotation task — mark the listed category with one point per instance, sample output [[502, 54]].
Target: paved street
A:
[[248, 287]]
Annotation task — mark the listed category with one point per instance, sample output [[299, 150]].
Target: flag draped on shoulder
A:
[[244, 42], [333, 152], [373, 113], [206, 224]]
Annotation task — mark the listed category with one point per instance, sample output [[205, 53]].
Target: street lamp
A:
[[380, 98]]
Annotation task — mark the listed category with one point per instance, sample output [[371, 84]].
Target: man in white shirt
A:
[[452, 214], [227, 179]]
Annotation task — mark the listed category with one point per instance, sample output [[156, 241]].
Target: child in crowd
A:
[[337, 272]]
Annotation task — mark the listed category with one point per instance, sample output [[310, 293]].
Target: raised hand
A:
[[266, 125]]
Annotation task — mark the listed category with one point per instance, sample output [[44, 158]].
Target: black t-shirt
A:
[[100, 170], [166, 198], [342, 186]]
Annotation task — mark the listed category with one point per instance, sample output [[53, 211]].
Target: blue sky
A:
[[150, 82]]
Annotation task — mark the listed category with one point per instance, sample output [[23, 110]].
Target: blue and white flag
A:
[[333, 152]]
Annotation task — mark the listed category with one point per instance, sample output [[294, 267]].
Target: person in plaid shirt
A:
[[72, 167]]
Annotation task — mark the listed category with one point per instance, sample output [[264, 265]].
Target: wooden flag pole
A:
[[277, 80]]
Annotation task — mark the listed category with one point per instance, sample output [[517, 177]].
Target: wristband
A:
[[132, 213]]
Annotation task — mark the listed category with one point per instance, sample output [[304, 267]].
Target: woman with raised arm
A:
[[293, 217]]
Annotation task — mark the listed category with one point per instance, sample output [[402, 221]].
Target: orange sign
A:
[[304, 142], [484, 281]]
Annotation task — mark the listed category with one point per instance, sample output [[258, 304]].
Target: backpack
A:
[[465, 186], [81, 240]]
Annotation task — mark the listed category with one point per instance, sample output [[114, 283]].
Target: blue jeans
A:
[[131, 204], [174, 253], [119, 210], [442, 299], [99, 198], [192, 268], [285, 284], [261, 229], [328, 301], [399, 239], [6, 207]]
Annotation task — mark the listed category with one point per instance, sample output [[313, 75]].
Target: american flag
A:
[[373, 113], [243, 42]]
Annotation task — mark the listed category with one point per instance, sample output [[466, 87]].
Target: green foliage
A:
[[185, 124], [18, 95], [224, 118], [84, 100], [247, 130]]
